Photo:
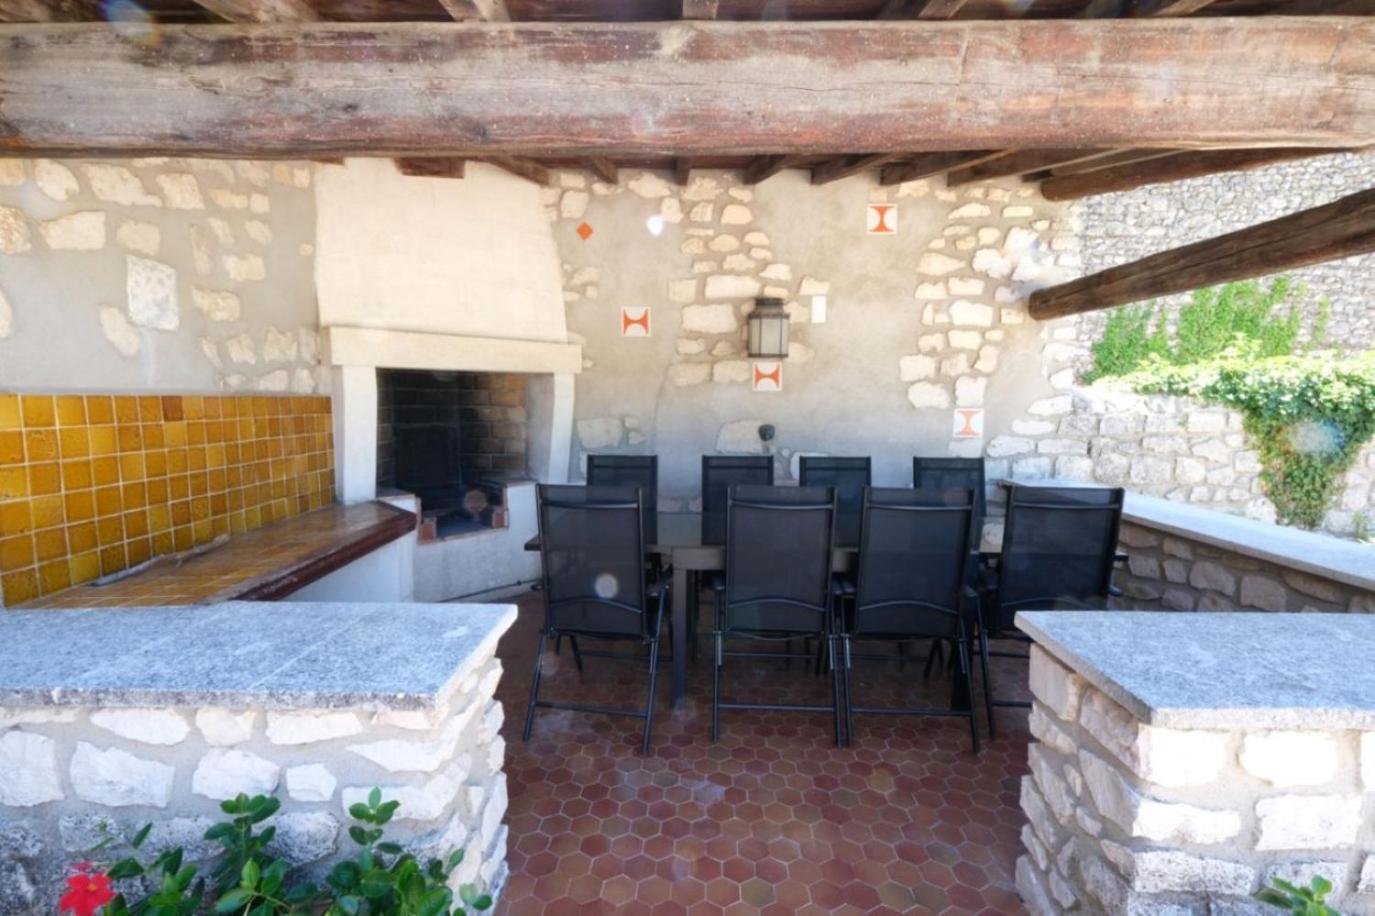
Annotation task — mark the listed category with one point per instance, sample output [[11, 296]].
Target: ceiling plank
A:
[[1112, 160], [929, 165], [522, 168], [1175, 167], [261, 10], [431, 167], [768, 166], [603, 168], [551, 89], [700, 9], [49, 10], [1337, 230], [845, 166], [1019, 162], [921, 9], [477, 10]]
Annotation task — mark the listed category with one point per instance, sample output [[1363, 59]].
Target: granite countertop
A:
[[1220, 670], [265, 655], [264, 564]]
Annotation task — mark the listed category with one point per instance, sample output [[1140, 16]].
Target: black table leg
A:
[[681, 598]]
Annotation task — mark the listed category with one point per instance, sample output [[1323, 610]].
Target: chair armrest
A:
[[1114, 591]]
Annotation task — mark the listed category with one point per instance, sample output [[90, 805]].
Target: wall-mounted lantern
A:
[[769, 329]]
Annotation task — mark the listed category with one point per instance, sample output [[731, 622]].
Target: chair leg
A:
[[988, 684], [577, 656], [966, 671], [649, 704], [845, 690], [934, 655], [716, 686], [534, 687]]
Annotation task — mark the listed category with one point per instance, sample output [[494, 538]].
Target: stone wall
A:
[[71, 776], [1125, 817], [1176, 573], [918, 323], [166, 275], [1117, 228], [1177, 448]]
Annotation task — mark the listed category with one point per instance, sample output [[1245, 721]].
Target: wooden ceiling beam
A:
[[767, 166], [603, 168], [845, 166], [781, 88], [1175, 167], [261, 10], [1337, 230], [522, 168], [431, 167], [477, 10], [1019, 162], [49, 10], [929, 165], [1112, 160], [920, 9]]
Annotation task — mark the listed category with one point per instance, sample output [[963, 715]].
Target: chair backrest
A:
[[593, 556], [630, 470], [849, 477], [953, 473], [1058, 548], [719, 474], [912, 562], [778, 559]]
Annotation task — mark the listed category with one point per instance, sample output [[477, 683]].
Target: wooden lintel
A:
[[560, 90], [431, 167], [1336, 230], [929, 165], [699, 9], [477, 10], [49, 10], [921, 9], [261, 10], [523, 168], [603, 168], [682, 170], [845, 166], [767, 166], [1019, 162], [1175, 167]]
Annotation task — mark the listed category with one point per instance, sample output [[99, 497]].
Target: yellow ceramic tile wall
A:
[[92, 484]]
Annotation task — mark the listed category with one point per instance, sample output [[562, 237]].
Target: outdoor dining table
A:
[[679, 542]]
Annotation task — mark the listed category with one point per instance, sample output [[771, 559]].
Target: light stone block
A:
[[400, 756], [1368, 761], [928, 394], [151, 288], [180, 191], [311, 782], [304, 836], [149, 726], [649, 185], [731, 371], [710, 319], [218, 305], [139, 237], [916, 368], [122, 335], [225, 773], [1308, 821], [682, 291], [222, 728], [117, 779], [290, 728], [1284, 758], [736, 215], [971, 314], [1158, 871], [117, 185], [55, 179], [82, 231], [425, 802], [14, 232], [11, 172], [242, 268], [934, 263], [1264, 593], [1141, 816], [969, 391], [1058, 688], [731, 286], [28, 770], [1046, 730]]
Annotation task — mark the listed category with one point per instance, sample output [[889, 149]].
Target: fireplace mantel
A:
[[379, 347]]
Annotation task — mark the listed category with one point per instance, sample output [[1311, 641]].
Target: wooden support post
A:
[[921, 9], [1337, 230], [431, 167], [1112, 160], [845, 166], [1019, 162], [682, 170], [1168, 7], [699, 9], [1175, 167], [477, 10], [261, 10], [49, 10], [928, 165], [522, 168], [767, 166], [603, 168]]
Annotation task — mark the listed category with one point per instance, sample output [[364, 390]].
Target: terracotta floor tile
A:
[[773, 819]]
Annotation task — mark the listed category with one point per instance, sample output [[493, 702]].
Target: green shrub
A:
[[1301, 901]]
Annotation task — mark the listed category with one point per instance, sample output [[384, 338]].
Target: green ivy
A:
[[1308, 415]]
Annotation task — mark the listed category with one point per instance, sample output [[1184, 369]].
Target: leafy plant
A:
[[1301, 901], [246, 879]]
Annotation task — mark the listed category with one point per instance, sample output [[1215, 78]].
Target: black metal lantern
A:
[[769, 329]]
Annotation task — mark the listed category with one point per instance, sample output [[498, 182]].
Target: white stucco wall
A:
[[471, 257]]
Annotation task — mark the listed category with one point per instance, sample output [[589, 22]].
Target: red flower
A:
[[87, 891]]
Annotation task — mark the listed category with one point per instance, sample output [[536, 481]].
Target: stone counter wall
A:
[[1170, 572], [1125, 817], [70, 776]]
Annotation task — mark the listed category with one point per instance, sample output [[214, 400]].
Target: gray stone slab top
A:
[[1221, 670], [240, 654]]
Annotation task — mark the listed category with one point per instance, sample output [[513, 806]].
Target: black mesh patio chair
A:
[[1059, 547], [960, 473], [849, 477], [634, 470], [719, 474], [595, 584], [777, 584], [911, 586]]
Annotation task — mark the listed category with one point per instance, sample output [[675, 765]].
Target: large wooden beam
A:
[[928, 165], [1176, 167], [261, 10], [1327, 233], [677, 88]]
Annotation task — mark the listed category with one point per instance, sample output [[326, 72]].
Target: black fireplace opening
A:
[[453, 439]]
